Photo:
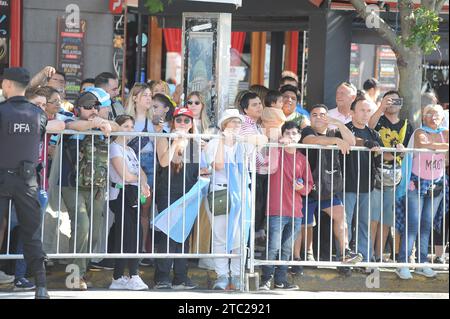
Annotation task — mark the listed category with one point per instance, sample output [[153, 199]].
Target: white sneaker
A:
[[404, 273], [136, 283], [5, 279], [119, 284], [425, 271]]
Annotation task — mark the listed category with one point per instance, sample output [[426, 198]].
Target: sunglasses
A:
[[180, 120], [90, 107], [192, 102]]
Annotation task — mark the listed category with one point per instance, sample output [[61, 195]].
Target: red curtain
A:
[[172, 39], [237, 41], [292, 64]]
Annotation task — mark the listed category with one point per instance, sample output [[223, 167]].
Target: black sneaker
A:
[[296, 271], [351, 257], [23, 284], [104, 264], [163, 285], [285, 286], [265, 285], [185, 285], [439, 260], [345, 271], [146, 262]]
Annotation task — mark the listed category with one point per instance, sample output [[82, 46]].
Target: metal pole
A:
[[137, 76]]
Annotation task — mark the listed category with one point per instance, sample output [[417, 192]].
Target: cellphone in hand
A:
[[397, 102], [157, 120]]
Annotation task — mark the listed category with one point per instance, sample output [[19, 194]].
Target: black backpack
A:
[[327, 175]]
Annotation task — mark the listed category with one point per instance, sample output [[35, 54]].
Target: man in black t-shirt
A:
[[394, 132], [327, 200], [358, 182]]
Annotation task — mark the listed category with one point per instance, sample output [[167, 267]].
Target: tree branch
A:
[[385, 30], [438, 6]]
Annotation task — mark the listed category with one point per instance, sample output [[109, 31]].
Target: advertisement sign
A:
[[70, 55]]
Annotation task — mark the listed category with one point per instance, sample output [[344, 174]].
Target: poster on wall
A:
[[70, 55], [199, 58], [4, 34]]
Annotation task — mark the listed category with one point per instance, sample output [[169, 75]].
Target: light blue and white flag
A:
[[170, 221], [240, 211]]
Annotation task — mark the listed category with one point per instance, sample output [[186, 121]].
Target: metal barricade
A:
[[361, 217], [60, 208]]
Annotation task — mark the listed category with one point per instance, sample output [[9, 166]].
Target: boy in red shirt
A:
[[291, 177]]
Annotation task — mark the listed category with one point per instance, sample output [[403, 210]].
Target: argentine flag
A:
[[170, 220]]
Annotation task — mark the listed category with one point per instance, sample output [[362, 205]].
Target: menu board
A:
[[387, 72], [70, 54], [355, 61]]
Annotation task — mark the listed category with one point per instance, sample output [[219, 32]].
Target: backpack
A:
[[99, 162], [328, 175], [92, 155]]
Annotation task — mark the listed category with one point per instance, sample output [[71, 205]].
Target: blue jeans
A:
[[280, 238], [419, 211], [363, 221], [147, 160]]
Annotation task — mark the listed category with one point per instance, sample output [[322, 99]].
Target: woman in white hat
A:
[[225, 155]]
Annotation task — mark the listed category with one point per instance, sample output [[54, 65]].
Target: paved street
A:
[[106, 294]]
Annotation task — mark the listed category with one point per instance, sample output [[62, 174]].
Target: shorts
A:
[[147, 163], [313, 205], [388, 205]]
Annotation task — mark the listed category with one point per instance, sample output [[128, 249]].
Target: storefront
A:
[[10, 33]]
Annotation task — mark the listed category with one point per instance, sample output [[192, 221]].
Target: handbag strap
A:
[[146, 125]]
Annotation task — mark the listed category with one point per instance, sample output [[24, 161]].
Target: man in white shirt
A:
[[345, 95]]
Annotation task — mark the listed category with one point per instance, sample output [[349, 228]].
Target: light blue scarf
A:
[[430, 130]]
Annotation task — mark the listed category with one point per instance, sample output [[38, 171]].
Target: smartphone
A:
[[397, 102], [157, 119]]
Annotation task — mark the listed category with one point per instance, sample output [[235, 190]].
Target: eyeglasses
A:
[[90, 107], [193, 102], [55, 102], [180, 120], [431, 115]]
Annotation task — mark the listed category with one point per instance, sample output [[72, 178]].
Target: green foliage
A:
[[425, 24], [155, 6]]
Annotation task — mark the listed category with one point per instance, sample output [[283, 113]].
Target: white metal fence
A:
[[59, 232]]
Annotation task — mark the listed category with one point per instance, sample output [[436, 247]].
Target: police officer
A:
[[22, 128]]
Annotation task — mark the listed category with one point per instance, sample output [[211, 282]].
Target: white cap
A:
[[228, 114]]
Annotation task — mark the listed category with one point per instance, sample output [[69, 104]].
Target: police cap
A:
[[20, 75]]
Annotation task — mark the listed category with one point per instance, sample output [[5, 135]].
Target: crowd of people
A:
[[362, 193]]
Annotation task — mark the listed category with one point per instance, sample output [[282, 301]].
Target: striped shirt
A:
[[250, 127]]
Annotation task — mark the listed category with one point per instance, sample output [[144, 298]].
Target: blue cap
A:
[[103, 97]]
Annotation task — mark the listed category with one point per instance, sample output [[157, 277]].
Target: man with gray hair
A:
[[345, 95]]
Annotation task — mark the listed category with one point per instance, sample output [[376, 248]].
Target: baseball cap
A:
[[183, 111], [228, 114], [102, 96], [87, 99], [20, 75]]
